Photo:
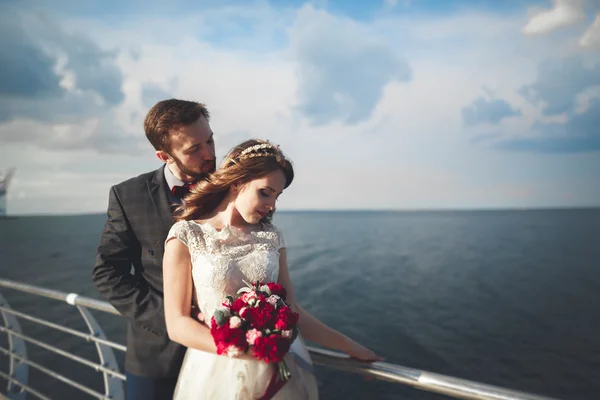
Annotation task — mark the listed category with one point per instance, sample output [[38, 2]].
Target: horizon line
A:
[[350, 210]]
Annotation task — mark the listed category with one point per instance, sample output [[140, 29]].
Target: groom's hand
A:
[[197, 314]]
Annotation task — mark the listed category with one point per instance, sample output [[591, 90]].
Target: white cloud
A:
[[390, 3], [559, 82], [408, 150], [342, 67], [563, 13], [591, 37], [64, 192], [65, 181]]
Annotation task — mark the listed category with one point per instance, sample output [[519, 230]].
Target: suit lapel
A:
[[157, 187]]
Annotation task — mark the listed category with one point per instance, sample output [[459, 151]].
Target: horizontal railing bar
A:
[[25, 387], [54, 375], [423, 380], [91, 364], [73, 332], [70, 298]]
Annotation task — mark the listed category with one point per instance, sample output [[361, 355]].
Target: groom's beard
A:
[[200, 173]]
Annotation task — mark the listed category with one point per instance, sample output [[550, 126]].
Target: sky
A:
[[405, 104]]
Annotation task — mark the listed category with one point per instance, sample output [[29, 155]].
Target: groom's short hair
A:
[[168, 115]]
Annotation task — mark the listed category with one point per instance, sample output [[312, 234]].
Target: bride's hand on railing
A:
[[361, 353], [197, 314]]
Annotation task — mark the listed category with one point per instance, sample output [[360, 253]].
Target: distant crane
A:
[[4, 182]]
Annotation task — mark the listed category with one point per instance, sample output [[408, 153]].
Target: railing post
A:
[[18, 370], [113, 387]]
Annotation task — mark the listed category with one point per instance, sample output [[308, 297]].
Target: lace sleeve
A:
[[180, 231], [280, 241]]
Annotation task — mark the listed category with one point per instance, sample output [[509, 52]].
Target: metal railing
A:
[[18, 376]]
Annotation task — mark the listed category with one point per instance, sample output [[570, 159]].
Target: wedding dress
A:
[[221, 262]]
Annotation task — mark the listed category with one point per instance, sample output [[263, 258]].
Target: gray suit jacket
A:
[[139, 217]]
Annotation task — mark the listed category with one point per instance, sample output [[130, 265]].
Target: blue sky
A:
[[401, 104]]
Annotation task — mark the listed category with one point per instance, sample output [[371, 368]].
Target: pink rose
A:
[[235, 322], [252, 335], [273, 299], [248, 295], [233, 351]]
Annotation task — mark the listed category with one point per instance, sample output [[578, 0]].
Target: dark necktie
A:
[[179, 192]]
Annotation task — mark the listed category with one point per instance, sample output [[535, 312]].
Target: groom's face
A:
[[191, 154]]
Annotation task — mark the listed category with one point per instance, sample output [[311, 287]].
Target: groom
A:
[[128, 267]]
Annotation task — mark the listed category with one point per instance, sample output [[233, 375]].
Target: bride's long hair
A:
[[250, 160]]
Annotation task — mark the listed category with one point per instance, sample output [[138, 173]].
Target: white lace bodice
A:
[[222, 260]]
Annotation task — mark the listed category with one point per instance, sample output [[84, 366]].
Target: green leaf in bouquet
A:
[[230, 298], [220, 317], [284, 371], [294, 334]]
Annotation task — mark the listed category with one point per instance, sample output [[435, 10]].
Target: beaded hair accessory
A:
[[261, 150]]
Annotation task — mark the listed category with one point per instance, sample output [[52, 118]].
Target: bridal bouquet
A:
[[259, 318]]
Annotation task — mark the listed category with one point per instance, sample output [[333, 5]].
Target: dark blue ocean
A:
[[508, 298]]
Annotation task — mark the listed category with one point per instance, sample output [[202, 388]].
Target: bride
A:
[[224, 236]]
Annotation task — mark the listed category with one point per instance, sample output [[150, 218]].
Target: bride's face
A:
[[257, 198]]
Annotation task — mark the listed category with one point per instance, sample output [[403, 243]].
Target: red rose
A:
[[277, 289], [238, 304], [272, 348], [286, 319], [224, 336], [261, 317]]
